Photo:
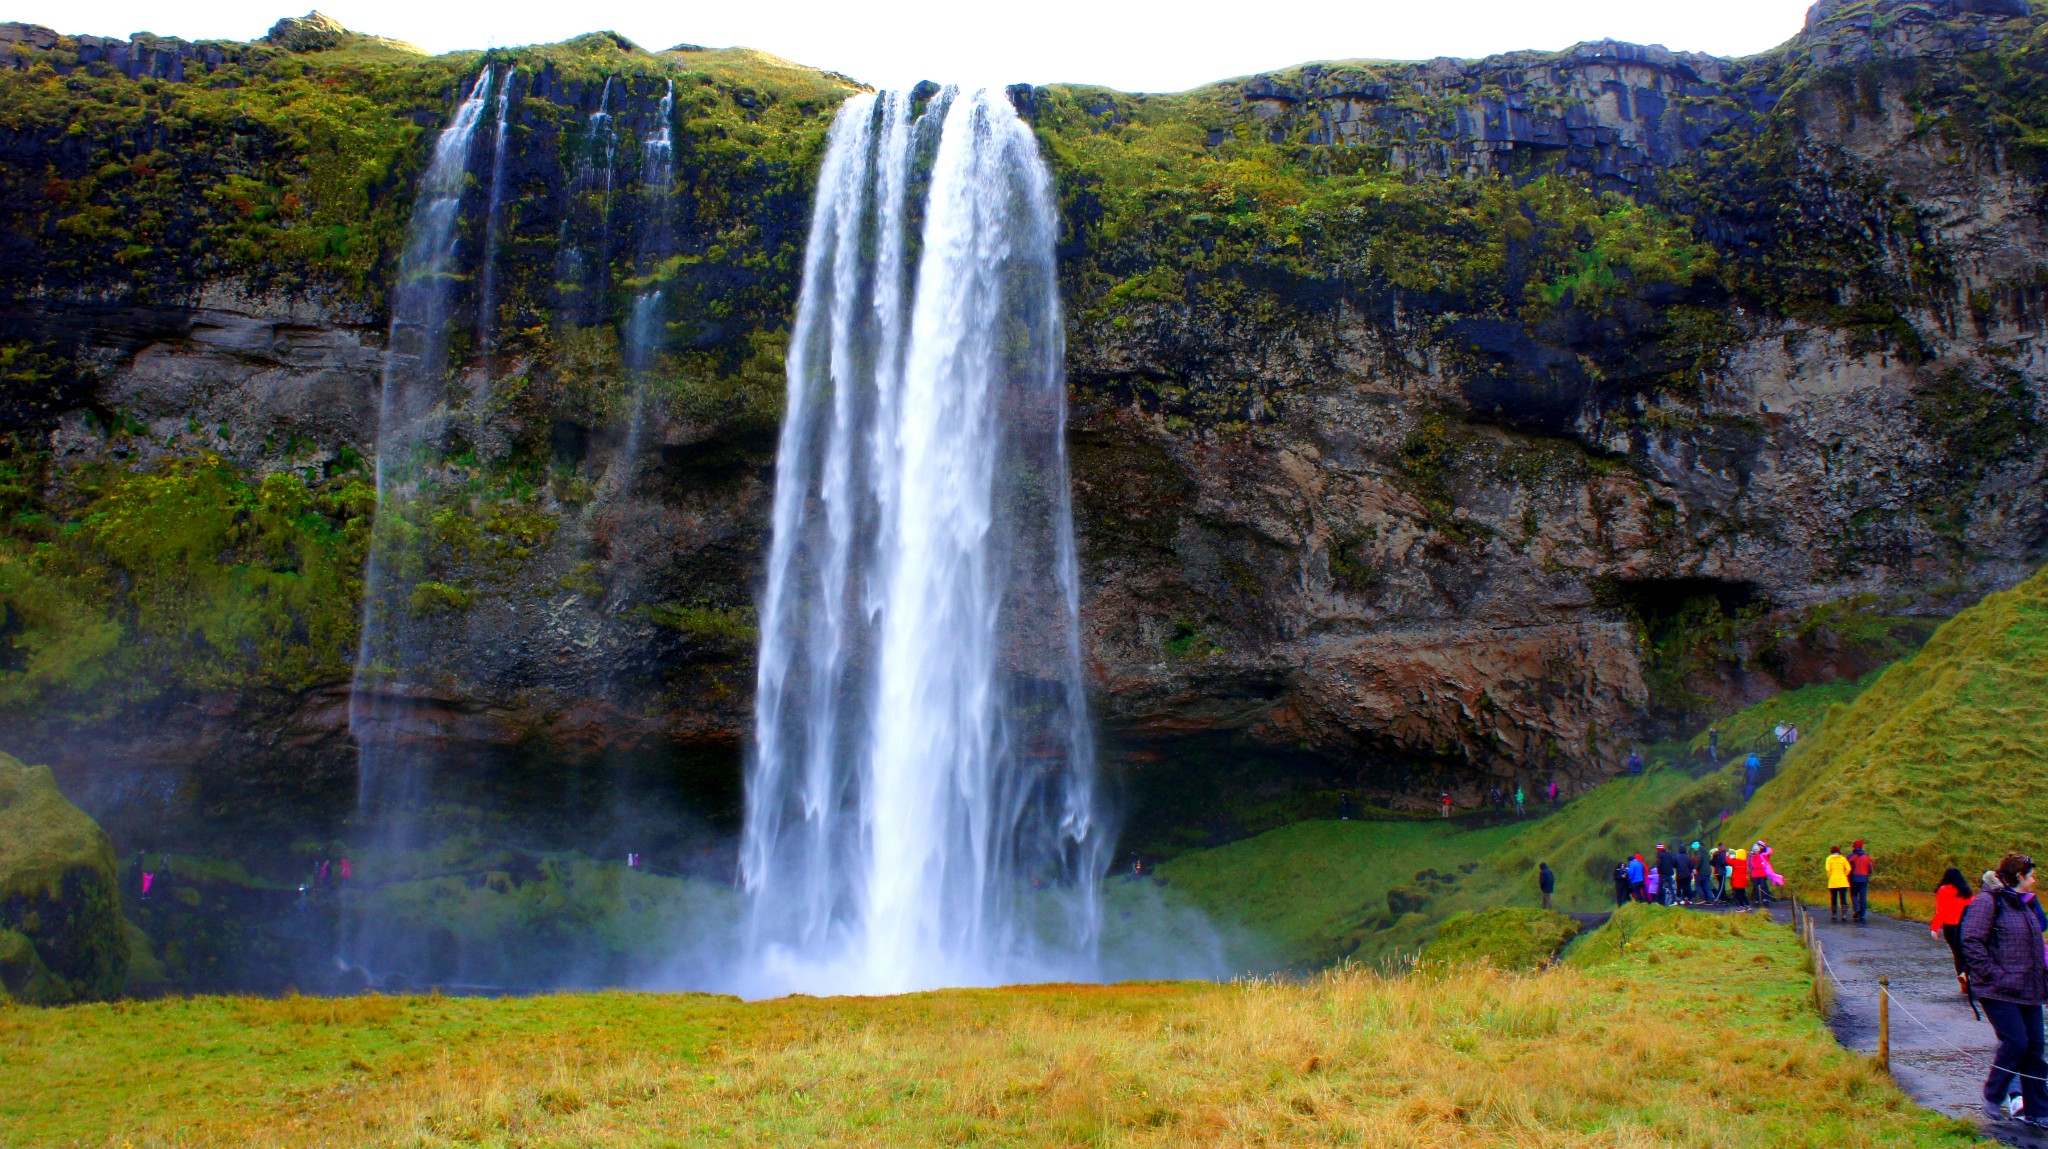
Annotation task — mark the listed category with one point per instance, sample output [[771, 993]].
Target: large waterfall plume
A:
[[392, 769], [921, 804]]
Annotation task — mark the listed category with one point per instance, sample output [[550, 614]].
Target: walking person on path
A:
[[1860, 866], [1553, 793], [1751, 767], [1445, 802], [1620, 884], [1545, 881], [1636, 869], [1518, 799], [1717, 868], [1951, 898], [1761, 873], [1686, 866], [2002, 946], [1838, 884], [1738, 878]]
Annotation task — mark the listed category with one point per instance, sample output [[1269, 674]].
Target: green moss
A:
[[61, 933], [1509, 937], [188, 575], [722, 628]]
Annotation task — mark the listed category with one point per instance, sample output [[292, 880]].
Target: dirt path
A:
[[1940, 1058]]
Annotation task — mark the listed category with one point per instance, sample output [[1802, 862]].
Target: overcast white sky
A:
[[1137, 45]]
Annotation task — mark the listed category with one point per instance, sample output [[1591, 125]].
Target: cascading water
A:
[[487, 289], [921, 801], [644, 320], [390, 772], [581, 278]]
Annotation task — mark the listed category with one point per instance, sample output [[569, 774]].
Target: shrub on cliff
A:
[[1938, 762], [62, 937]]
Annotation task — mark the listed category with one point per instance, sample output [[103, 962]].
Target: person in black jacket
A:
[[1621, 884], [1666, 868], [1684, 866], [2002, 947], [1546, 881]]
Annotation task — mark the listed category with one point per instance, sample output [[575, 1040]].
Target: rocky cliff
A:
[[1432, 423]]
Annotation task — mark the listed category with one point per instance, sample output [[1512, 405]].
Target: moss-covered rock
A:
[[62, 937], [1510, 937]]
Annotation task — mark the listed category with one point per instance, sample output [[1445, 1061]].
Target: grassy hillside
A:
[[1308, 894], [1630, 1049], [1944, 758]]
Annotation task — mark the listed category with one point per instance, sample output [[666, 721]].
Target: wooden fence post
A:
[[1884, 1023]]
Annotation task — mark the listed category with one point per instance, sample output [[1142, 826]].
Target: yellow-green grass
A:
[[1942, 760], [1311, 893], [1625, 1045]]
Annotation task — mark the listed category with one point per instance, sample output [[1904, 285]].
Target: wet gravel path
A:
[[1940, 1051]]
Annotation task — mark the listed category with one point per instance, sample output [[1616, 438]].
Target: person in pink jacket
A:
[[1762, 873]]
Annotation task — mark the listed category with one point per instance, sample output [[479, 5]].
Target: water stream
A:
[[392, 773], [487, 289], [644, 320], [921, 804]]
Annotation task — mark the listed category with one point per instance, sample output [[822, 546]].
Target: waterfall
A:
[[582, 291], [644, 323], [921, 796], [412, 410], [487, 303]]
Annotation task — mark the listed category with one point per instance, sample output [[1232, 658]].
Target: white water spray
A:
[[921, 803]]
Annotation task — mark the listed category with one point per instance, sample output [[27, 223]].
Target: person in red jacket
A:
[[1859, 879], [1738, 878], [1951, 898]]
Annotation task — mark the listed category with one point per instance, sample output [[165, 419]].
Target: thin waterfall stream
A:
[[391, 770], [921, 803]]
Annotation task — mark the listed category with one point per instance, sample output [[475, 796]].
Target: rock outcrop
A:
[[62, 938]]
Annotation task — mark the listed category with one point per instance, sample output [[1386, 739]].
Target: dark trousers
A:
[[1621, 893], [1546, 899], [1838, 901], [1953, 935], [2019, 1053], [1859, 893]]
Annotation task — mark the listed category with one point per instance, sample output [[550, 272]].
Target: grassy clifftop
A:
[[1943, 759]]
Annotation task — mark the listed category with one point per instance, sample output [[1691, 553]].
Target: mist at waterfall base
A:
[[921, 805]]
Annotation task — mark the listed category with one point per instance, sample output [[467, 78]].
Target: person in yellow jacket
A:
[[1838, 884]]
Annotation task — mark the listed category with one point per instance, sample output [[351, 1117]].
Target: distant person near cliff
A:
[[2002, 946], [1621, 884], [1445, 802], [1546, 882], [1635, 761], [1518, 799]]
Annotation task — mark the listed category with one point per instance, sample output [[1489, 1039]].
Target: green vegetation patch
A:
[[1510, 937], [61, 933], [188, 575]]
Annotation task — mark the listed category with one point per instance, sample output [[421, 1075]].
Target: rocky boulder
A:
[[62, 938]]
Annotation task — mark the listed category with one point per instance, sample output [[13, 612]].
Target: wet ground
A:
[[1940, 1050]]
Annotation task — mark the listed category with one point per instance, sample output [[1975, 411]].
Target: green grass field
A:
[[1621, 1045]]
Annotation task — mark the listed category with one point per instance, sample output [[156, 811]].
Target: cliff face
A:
[[1447, 421]]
